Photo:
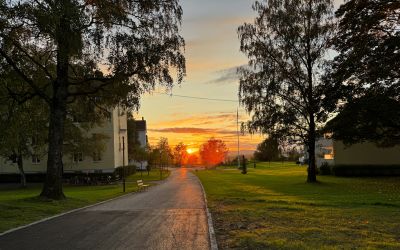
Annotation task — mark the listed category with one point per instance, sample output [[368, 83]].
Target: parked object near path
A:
[[244, 165], [141, 185]]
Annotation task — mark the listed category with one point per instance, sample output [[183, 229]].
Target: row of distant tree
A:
[[312, 71], [272, 149], [211, 153]]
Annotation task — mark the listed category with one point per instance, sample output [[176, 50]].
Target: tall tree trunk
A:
[[20, 164], [312, 173], [52, 188]]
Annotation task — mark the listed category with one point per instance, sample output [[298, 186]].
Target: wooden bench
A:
[[141, 185]]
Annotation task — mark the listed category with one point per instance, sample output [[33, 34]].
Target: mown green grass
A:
[[272, 207], [22, 206]]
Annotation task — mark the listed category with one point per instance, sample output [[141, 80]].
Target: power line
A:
[[199, 98]]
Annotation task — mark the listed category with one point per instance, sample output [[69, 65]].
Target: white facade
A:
[[336, 153], [324, 153], [105, 162]]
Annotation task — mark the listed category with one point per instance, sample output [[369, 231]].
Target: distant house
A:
[[141, 130], [100, 162], [336, 153]]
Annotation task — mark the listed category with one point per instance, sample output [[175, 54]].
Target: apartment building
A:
[[114, 155]]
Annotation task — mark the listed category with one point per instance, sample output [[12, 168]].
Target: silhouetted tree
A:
[[366, 73], [213, 152], [165, 152], [371, 118], [180, 154], [368, 43], [268, 150], [281, 86], [136, 151], [104, 52], [22, 133]]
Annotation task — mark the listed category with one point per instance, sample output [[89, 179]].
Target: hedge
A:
[[366, 170], [129, 170]]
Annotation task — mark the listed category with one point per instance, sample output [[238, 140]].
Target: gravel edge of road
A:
[[211, 231]]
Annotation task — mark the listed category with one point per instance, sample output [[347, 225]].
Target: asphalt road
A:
[[170, 215]]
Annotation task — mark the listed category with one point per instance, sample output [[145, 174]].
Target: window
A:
[[77, 157], [35, 159], [97, 156], [329, 155]]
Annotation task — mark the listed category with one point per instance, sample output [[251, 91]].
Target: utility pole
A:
[[238, 135], [123, 162]]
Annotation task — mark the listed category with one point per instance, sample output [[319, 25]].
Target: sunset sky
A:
[[212, 54]]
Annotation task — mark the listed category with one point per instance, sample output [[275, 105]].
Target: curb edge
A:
[[211, 231]]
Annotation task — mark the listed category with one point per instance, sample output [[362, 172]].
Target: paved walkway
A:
[[168, 216]]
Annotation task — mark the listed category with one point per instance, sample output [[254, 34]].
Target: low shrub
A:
[[325, 169], [128, 170], [366, 170]]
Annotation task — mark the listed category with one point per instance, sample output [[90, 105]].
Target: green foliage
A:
[[161, 154], [166, 155], [282, 85], [268, 150], [366, 170], [22, 131], [136, 152], [368, 42], [125, 171], [373, 118], [95, 52], [273, 208], [325, 169], [365, 73]]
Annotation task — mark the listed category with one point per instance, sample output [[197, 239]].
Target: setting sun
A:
[[190, 150]]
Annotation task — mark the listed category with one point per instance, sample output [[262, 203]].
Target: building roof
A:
[[141, 125]]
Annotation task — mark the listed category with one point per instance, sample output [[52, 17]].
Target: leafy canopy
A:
[[268, 150], [213, 152], [285, 47], [368, 43], [282, 84], [115, 50], [366, 73]]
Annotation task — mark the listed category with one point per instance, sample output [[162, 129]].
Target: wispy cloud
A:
[[189, 130], [226, 76], [220, 119]]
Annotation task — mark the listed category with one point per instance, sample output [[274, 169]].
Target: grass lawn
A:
[[22, 206], [272, 207]]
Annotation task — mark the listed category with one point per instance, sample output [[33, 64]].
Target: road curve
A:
[[170, 215]]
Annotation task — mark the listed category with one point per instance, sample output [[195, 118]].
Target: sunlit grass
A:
[[22, 206], [272, 207]]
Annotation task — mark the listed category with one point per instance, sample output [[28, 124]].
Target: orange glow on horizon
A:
[[191, 150]]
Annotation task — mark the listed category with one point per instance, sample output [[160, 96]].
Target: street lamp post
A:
[[123, 162]]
